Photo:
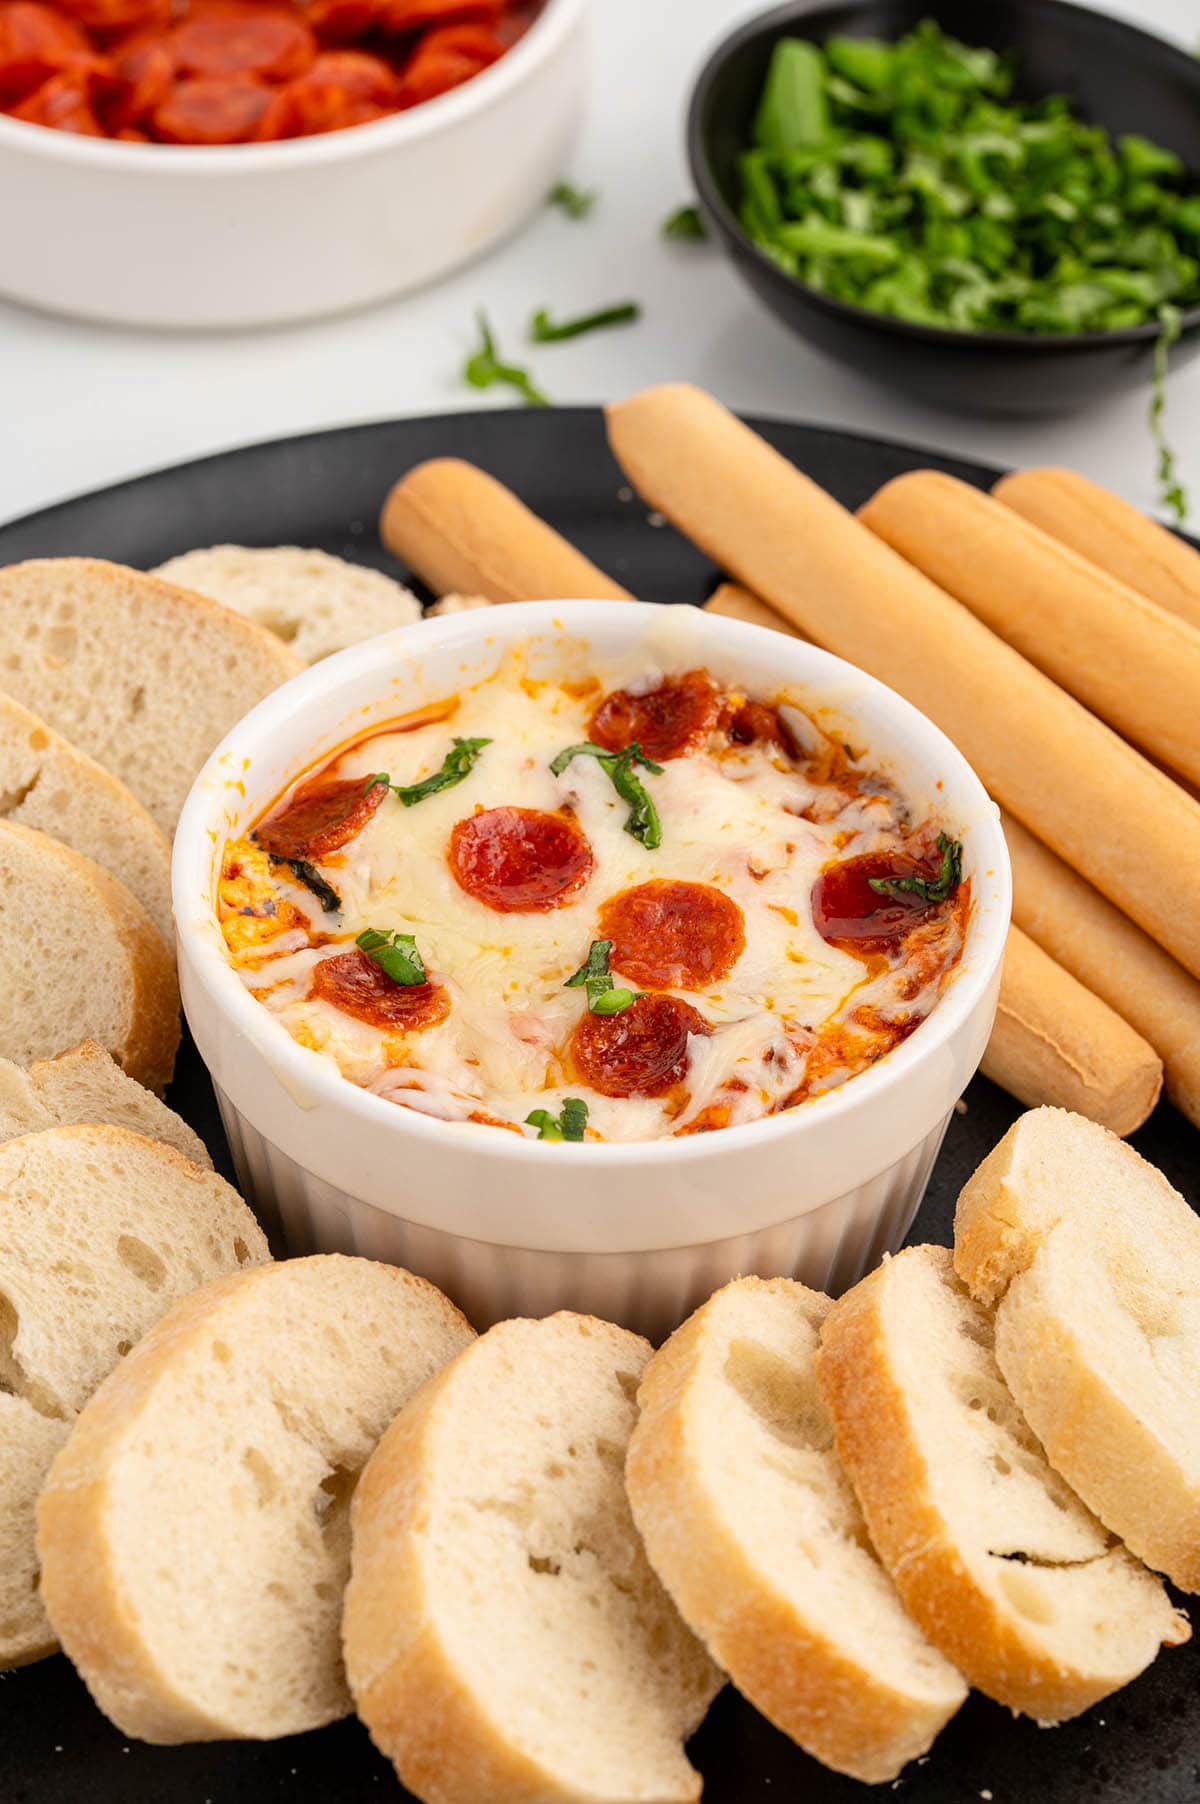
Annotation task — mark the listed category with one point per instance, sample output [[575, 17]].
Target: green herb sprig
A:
[[458, 763], [618, 767], [1172, 494], [311, 878], [929, 889], [569, 1125], [686, 225], [395, 953], [576, 203], [485, 367], [543, 331], [603, 997]]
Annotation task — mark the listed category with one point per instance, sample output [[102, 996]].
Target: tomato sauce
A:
[[240, 71]]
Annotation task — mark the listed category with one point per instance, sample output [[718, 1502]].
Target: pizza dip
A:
[[618, 907]]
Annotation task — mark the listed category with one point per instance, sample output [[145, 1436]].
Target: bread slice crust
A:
[[145, 677], [54, 899], [244, 1353], [989, 1608], [768, 1626], [100, 1230], [1092, 1262], [417, 1683]]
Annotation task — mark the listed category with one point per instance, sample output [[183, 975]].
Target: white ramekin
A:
[[636, 1233], [255, 234]]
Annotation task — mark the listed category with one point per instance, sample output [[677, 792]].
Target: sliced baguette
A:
[[80, 959], [315, 603], [1092, 1261], [194, 1531], [100, 1232], [45, 782], [142, 676], [86, 1085], [506, 1639], [992, 1553], [753, 1528]]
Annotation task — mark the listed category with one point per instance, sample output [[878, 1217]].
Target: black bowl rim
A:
[[951, 337]]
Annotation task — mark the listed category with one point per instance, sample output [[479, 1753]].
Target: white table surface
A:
[[84, 405]]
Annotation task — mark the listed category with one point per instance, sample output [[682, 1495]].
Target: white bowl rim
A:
[[432, 117], [191, 873]]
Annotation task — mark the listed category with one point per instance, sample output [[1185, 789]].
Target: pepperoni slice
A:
[[446, 57], [849, 913], [668, 935], [272, 43], [320, 820], [64, 103], [675, 718], [340, 21], [415, 15], [756, 723], [520, 860], [640, 1052], [355, 984], [35, 43], [211, 110], [343, 88], [117, 15], [143, 70]]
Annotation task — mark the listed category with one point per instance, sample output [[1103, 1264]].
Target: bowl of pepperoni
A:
[[220, 163], [585, 956]]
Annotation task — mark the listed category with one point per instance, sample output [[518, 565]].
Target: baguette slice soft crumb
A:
[[993, 1554], [87, 1085], [143, 676], [45, 782], [316, 603], [1092, 1261], [194, 1531], [80, 959], [506, 1639], [751, 1524], [100, 1232]]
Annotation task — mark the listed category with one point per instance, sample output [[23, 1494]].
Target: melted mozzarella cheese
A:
[[745, 820]]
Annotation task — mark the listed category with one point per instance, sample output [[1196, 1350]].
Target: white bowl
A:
[[254, 234], [641, 1232]]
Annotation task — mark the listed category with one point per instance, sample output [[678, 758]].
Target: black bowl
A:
[[1118, 77]]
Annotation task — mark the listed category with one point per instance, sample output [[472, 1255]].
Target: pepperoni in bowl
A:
[[355, 984], [520, 860], [849, 913], [671, 935], [321, 820], [667, 722], [640, 1052]]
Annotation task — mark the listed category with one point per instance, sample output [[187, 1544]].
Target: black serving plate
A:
[[1119, 77], [1143, 1746]]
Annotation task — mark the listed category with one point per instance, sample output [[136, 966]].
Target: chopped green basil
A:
[[603, 998], [484, 367], [458, 763], [569, 1125], [395, 953], [543, 331], [643, 821], [686, 224], [311, 878], [905, 178], [929, 889], [576, 203], [1172, 493]]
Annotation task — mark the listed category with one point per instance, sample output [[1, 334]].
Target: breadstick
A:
[[1094, 942], [1124, 657], [1056, 1043], [1114, 535], [460, 529], [737, 603], [1102, 806]]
